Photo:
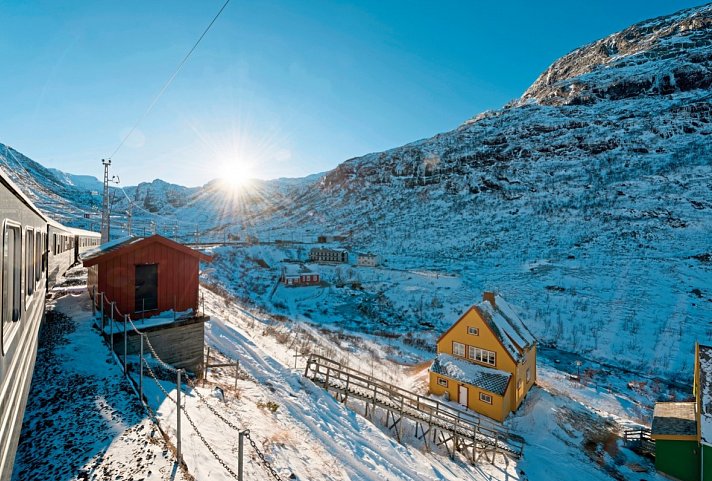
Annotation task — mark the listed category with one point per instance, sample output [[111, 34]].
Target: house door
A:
[[146, 287], [462, 398]]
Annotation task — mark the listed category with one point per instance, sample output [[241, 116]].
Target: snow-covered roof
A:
[[109, 246], [506, 325], [109, 249], [295, 270], [674, 419], [487, 378], [705, 370]]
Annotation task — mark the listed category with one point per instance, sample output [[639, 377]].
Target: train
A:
[[36, 250]]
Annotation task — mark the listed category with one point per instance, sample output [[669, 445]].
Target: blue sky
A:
[[282, 88]]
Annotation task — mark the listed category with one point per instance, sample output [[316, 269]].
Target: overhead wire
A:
[[168, 83], [150, 108]]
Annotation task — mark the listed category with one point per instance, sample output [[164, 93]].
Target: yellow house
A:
[[486, 360]]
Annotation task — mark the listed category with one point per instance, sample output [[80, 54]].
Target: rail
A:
[[346, 381], [639, 438]]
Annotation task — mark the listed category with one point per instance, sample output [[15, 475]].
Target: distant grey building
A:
[[328, 256], [368, 260]]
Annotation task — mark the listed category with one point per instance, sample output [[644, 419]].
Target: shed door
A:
[[462, 398], [146, 287]]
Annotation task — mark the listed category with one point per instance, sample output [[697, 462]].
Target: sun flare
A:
[[235, 174]]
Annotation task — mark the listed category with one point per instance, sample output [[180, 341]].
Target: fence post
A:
[[240, 449], [205, 367], [93, 301], [125, 345], [178, 389], [101, 296], [112, 326], [140, 379]]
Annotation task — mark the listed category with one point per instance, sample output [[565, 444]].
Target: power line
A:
[[170, 80]]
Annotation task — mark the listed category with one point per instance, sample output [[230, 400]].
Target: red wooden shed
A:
[[145, 276]]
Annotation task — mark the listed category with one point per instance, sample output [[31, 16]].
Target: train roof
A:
[[5, 179], [83, 232]]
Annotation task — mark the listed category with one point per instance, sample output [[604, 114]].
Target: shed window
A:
[[485, 398], [458, 349], [442, 382]]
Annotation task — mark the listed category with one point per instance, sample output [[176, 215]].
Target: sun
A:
[[235, 174]]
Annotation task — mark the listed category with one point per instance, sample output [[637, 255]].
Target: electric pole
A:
[[105, 218], [128, 219], [175, 232]]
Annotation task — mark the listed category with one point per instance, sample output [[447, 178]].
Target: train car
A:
[[23, 287], [84, 240], [62, 250]]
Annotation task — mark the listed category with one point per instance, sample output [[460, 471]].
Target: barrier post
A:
[[101, 296], [93, 301], [240, 449], [125, 344], [178, 390], [112, 326], [140, 379]]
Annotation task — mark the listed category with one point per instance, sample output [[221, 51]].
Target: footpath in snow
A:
[[83, 420]]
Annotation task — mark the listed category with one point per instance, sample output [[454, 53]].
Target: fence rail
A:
[[639, 439], [465, 431]]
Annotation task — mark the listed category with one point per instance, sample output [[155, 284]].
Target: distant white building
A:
[[298, 275], [368, 260], [328, 256]]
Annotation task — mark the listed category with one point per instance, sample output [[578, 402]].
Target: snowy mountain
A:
[[586, 202]]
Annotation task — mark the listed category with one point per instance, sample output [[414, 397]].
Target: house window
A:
[[442, 382], [458, 349], [485, 398], [473, 331], [482, 355], [529, 375]]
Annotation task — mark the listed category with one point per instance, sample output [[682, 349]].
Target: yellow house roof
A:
[[487, 378], [505, 324]]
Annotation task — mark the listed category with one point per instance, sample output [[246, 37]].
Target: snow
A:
[[490, 379], [160, 319], [107, 246]]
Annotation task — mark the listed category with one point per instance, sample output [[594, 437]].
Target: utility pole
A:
[[153, 228], [105, 219], [197, 235], [128, 219], [175, 232]]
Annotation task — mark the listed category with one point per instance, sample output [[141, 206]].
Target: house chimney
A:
[[489, 296]]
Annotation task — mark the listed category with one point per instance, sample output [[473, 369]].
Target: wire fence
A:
[[100, 300]]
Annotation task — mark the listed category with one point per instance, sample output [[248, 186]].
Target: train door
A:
[[146, 298]]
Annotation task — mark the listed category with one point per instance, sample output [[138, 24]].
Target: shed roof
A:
[[674, 419], [292, 269], [120, 246], [705, 371], [487, 378]]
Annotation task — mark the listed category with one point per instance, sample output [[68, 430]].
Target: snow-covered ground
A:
[[303, 432]]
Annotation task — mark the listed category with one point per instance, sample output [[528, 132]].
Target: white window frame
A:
[[29, 262], [455, 348], [482, 356], [473, 331], [8, 326], [442, 382], [485, 398]]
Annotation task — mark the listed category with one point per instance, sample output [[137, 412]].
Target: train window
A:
[[29, 262], [45, 254], [38, 256], [11, 272]]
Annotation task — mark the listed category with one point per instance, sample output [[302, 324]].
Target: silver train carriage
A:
[[35, 251]]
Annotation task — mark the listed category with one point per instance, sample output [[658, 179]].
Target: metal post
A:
[[112, 325], [125, 345], [93, 301], [178, 389], [205, 368], [143, 308], [101, 296], [140, 379], [240, 450]]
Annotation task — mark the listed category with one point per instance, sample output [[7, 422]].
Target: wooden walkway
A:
[[435, 422]]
